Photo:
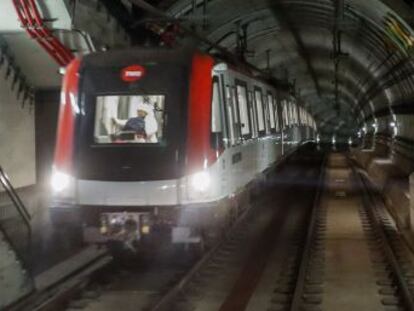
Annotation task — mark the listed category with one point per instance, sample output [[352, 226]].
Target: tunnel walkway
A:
[[16, 280], [350, 281]]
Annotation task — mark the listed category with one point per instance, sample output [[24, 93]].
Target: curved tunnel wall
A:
[[374, 75]]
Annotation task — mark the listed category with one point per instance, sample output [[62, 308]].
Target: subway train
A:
[[166, 140]]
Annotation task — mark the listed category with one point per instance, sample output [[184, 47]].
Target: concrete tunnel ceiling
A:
[[304, 40], [348, 61]]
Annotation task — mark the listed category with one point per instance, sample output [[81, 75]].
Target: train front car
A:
[[125, 151]]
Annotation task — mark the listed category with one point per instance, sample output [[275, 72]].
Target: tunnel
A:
[[261, 111]]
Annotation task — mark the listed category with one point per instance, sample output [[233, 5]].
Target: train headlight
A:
[[201, 181], [60, 181]]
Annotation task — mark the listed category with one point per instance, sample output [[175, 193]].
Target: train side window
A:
[[216, 124], [295, 110], [229, 114], [216, 137], [302, 116], [236, 115], [285, 114], [270, 104], [276, 115], [266, 114], [289, 113], [244, 112], [232, 115], [253, 115], [260, 112], [294, 113], [290, 116]]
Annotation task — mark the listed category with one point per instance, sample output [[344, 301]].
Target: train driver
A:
[[144, 124]]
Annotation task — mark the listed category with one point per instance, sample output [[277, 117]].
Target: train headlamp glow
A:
[[201, 181], [60, 181]]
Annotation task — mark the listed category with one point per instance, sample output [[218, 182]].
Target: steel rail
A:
[[168, 298], [371, 207], [166, 301], [67, 287], [296, 302]]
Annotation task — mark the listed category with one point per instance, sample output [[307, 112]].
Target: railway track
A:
[[333, 247], [387, 278], [205, 288], [359, 263], [181, 283]]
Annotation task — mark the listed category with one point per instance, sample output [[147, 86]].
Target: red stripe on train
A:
[[67, 115], [199, 152]]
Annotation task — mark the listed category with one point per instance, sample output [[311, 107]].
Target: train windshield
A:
[[136, 119]]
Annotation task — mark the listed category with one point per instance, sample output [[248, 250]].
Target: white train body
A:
[[230, 131]]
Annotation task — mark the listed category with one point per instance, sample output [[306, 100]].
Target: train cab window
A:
[[136, 119], [244, 111], [270, 104], [260, 112]]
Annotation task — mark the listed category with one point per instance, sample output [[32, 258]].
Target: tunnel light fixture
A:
[[393, 124]]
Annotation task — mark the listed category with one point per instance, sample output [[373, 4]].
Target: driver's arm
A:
[[118, 122]]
